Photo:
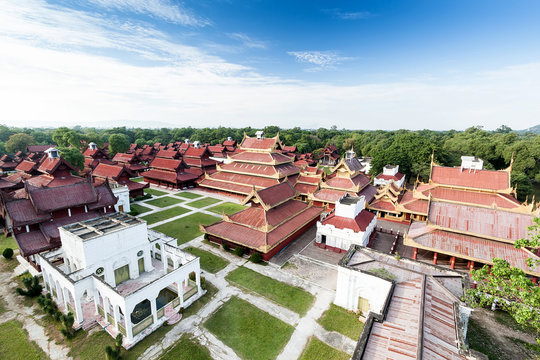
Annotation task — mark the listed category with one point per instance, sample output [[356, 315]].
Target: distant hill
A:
[[534, 129]]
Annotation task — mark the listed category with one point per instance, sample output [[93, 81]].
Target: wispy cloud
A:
[[348, 15], [248, 41], [161, 9], [321, 59]]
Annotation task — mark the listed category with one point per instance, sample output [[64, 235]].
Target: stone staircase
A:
[[172, 316], [87, 325]]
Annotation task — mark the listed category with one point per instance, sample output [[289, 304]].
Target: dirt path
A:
[[15, 310], [501, 336]]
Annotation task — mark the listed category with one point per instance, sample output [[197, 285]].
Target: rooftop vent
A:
[[260, 134], [229, 138], [52, 153], [196, 144], [187, 141], [92, 146]]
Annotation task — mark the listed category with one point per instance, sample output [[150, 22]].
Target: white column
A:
[[116, 315], [180, 285], [148, 262], [164, 259], [127, 324], [65, 293], [78, 310], [153, 307], [198, 280], [106, 307], [96, 300]]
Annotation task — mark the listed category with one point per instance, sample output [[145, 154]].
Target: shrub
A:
[[67, 321], [226, 247], [255, 258], [32, 285], [239, 251], [57, 315], [181, 310], [7, 253], [134, 212], [192, 276]]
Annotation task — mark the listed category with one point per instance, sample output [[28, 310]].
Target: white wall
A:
[[350, 211], [352, 284], [122, 193], [344, 238]]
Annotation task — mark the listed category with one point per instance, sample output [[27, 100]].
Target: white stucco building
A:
[[348, 224], [122, 193], [471, 163], [113, 271], [390, 174]]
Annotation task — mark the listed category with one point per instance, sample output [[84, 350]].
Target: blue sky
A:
[[354, 64]]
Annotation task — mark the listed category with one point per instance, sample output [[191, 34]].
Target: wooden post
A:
[[434, 258], [452, 262], [471, 266], [415, 255], [535, 280]]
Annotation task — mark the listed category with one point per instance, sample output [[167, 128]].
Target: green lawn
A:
[[317, 350], [285, 295], [343, 321], [7, 242], [186, 228], [164, 201], [227, 208], [194, 308], [154, 192], [252, 333], [209, 262], [164, 214], [140, 208], [15, 344], [137, 179], [203, 202], [90, 347], [188, 195], [186, 349]]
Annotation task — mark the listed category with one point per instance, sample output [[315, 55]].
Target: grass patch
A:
[[252, 333], [504, 318], [188, 195], [203, 202], [164, 201], [7, 242], [90, 347], [164, 214], [481, 340], [283, 294], [186, 348], [317, 350], [186, 228], [289, 265], [137, 179], [140, 208], [15, 343], [227, 208], [194, 308], [209, 262], [2, 305], [154, 192], [343, 321]]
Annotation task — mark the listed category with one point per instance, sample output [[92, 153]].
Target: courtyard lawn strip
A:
[[137, 179], [15, 343], [227, 208], [154, 192], [317, 350], [343, 321], [252, 333], [203, 202], [186, 349], [188, 195], [140, 208], [164, 214], [7, 242], [186, 228], [209, 262], [164, 201], [283, 294]]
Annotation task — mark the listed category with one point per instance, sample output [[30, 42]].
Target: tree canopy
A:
[[18, 142]]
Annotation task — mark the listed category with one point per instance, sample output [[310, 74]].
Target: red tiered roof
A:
[[473, 197], [168, 154], [358, 224], [258, 144], [257, 157], [396, 177], [27, 166], [476, 179], [166, 164]]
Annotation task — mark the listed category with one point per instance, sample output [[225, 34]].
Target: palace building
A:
[[119, 174], [273, 221], [389, 175], [346, 178], [170, 173], [112, 271], [259, 165], [131, 161]]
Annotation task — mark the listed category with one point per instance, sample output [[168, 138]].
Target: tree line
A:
[[410, 149]]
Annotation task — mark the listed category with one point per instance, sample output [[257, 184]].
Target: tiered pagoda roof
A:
[[274, 218], [119, 174], [198, 160], [258, 164], [130, 160], [308, 181], [346, 178], [171, 171]]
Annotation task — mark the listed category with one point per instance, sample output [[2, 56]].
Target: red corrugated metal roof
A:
[[305, 189], [38, 148], [22, 212], [396, 177], [477, 179], [26, 166], [225, 186], [482, 221], [110, 171], [276, 194], [49, 199], [242, 179], [473, 197], [124, 158], [33, 242], [384, 205], [330, 195], [168, 154], [259, 144], [166, 164], [368, 193]]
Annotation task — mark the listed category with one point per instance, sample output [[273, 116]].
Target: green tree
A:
[[73, 156], [118, 143], [18, 142], [509, 287]]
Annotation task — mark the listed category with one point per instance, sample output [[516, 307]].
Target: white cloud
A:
[[57, 69], [348, 15], [248, 41], [161, 9], [322, 59]]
